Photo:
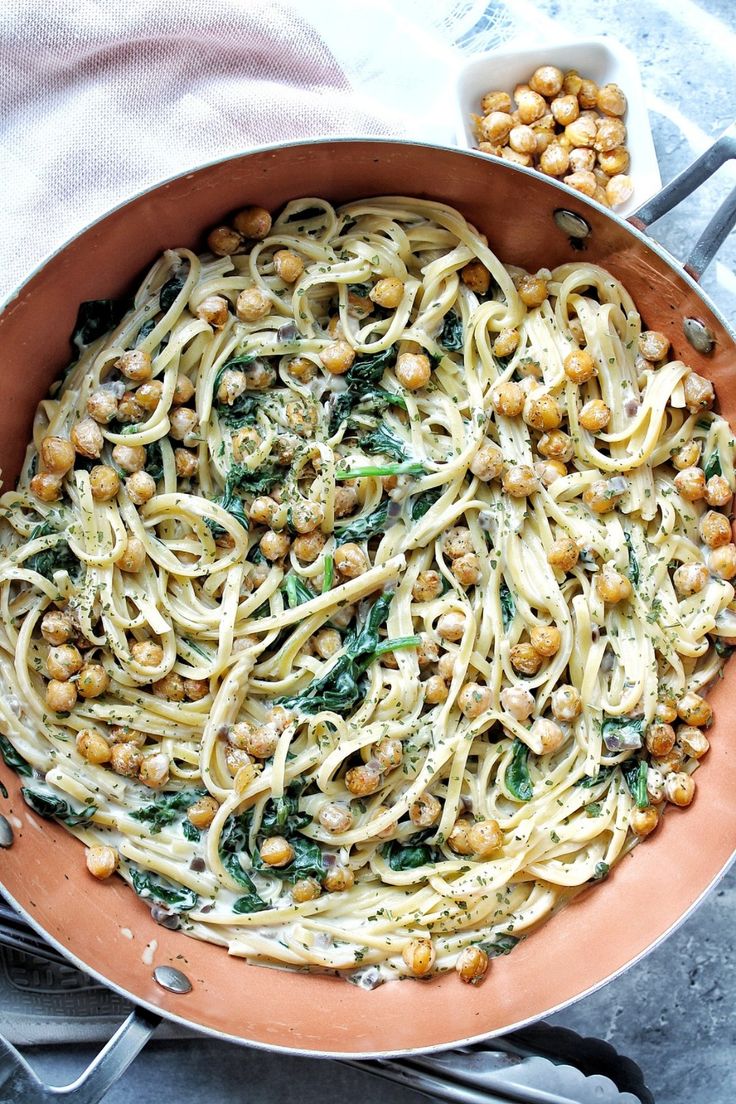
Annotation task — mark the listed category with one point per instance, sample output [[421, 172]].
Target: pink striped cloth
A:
[[100, 100]]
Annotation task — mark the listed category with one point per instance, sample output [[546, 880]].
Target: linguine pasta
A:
[[368, 645]]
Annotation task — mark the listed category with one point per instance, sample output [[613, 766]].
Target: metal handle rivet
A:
[[6, 832], [569, 222], [168, 977], [700, 336]]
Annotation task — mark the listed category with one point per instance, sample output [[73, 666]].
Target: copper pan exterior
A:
[[605, 929]]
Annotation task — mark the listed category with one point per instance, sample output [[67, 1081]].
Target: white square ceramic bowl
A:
[[600, 59]]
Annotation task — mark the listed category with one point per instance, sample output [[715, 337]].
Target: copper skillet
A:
[[530, 221]]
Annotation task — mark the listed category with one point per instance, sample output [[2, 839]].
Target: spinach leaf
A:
[[95, 318], [340, 689], [501, 945], [169, 291], [712, 465], [518, 779], [167, 808], [297, 591], [635, 776], [281, 816], [146, 885], [308, 861], [146, 329], [412, 854], [49, 807], [13, 758], [721, 647], [361, 290], [362, 379], [634, 572], [603, 774], [421, 503], [250, 903], [254, 483], [451, 334], [233, 841], [620, 733], [189, 831], [382, 440], [58, 557], [155, 461], [508, 605], [365, 526]]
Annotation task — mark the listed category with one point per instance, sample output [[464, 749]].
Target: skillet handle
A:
[[721, 224], [18, 1082]]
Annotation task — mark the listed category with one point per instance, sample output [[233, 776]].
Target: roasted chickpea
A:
[[147, 653], [556, 445], [327, 643], [102, 406], [579, 366], [425, 811], [102, 861], [253, 223], [274, 545], [488, 461], [302, 369], [337, 357], [306, 889], [307, 516], [582, 160], [594, 416], [532, 290], [387, 292], [57, 627], [485, 837], [435, 690], [694, 710], [545, 736], [61, 697], [363, 780], [458, 542], [495, 101], [288, 265], [458, 839], [619, 189], [154, 770], [554, 159], [643, 821], [611, 100], [567, 703], [717, 491], [714, 529], [525, 658], [699, 393], [467, 569], [547, 81], [419, 956], [428, 585], [46, 487], [581, 132], [276, 851], [87, 438], [93, 680], [690, 578], [506, 342], [474, 699], [451, 625], [129, 409], [263, 510], [690, 484], [335, 817], [135, 365], [131, 458], [542, 411], [722, 561], [214, 311], [660, 739], [260, 741], [495, 127], [518, 702], [563, 554], [520, 481], [687, 456], [471, 965], [338, 879], [141, 487], [351, 561], [57, 455], [413, 370], [223, 240], [183, 424], [546, 639], [93, 746], [202, 812], [186, 463], [308, 547], [522, 139], [530, 107], [125, 759], [476, 276], [63, 661], [613, 587], [653, 345], [508, 398], [693, 741], [104, 483], [679, 788], [171, 686]]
